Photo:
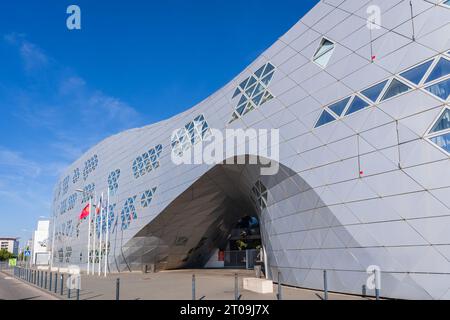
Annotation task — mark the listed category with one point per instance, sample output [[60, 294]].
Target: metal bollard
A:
[[117, 289], [236, 287], [279, 295], [62, 284], [364, 291], [50, 284], [56, 282], [325, 285], [42, 279], [38, 274], [78, 294], [68, 292], [377, 288], [193, 287], [45, 282]]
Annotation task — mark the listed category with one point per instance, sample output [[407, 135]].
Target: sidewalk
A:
[[177, 285], [12, 288]]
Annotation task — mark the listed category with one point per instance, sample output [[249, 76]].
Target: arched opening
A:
[[217, 216]]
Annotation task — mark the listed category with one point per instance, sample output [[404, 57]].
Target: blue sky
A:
[[133, 63]]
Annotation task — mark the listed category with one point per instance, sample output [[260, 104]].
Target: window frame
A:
[[246, 101], [424, 77], [428, 85], [388, 85], [331, 113], [321, 44], [380, 95], [430, 135], [437, 59]]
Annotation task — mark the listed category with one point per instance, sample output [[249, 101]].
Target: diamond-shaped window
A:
[[254, 91], [323, 54]]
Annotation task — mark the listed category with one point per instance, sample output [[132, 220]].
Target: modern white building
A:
[[10, 244], [359, 91], [40, 243]]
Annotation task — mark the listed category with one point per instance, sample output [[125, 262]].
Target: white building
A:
[[363, 116], [10, 244], [39, 248]]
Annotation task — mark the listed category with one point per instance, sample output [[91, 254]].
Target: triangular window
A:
[[325, 118], [441, 89], [339, 107], [416, 74], [442, 141], [443, 123], [357, 104], [395, 88], [374, 92], [236, 93], [441, 69]]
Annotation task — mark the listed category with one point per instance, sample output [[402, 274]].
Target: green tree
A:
[[5, 255]]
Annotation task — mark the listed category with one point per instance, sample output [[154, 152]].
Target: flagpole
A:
[[95, 235], [107, 232], [89, 237], [101, 237]]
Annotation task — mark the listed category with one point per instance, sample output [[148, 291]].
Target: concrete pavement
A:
[[166, 285], [177, 285], [14, 289]]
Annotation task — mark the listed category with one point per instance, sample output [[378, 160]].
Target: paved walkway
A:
[[177, 285], [166, 285], [14, 289]]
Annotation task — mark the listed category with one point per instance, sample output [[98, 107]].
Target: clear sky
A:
[[134, 62]]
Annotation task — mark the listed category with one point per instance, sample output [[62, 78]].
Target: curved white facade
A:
[[364, 160]]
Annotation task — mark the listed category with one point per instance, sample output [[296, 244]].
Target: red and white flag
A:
[[85, 213]]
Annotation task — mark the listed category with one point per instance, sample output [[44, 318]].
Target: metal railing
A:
[[4, 266], [54, 283], [241, 259]]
